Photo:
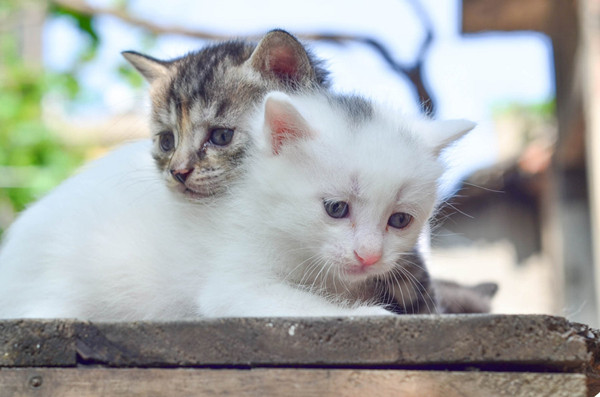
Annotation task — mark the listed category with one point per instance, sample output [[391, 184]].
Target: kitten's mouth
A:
[[192, 194], [200, 186], [359, 269], [357, 272], [195, 195]]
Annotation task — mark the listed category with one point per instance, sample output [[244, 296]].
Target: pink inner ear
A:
[[285, 123], [283, 62], [283, 131]]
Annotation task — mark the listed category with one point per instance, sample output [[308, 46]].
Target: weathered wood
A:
[[38, 343], [314, 356], [450, 341], [77, 382], [394, 341]]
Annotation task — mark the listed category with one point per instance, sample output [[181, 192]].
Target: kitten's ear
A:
[[440, 134], [283, 123], [281, 55], [488, 289], [148, 67]]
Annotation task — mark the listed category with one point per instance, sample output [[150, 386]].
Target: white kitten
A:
[[339, 191], [335, 193]]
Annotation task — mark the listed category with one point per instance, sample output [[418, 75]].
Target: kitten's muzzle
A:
[[368, 259], [182, 175]]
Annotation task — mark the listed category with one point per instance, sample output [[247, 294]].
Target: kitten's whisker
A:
[[301, 264], [397, 282], [420, 290], [316, 266], [459, 211], [402, 275], [406, 260]]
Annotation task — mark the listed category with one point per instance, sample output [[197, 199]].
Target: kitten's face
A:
[[199, 103], [351, 188], [199, 138], [353, 217]]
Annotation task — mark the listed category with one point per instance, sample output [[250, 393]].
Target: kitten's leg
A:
[[271, 298]]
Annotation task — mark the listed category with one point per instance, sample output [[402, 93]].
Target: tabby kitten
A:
[[199, 99]]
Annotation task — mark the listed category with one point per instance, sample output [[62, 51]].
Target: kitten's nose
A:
[[368, 260], [181, 175]]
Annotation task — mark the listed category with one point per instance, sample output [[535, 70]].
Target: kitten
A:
[[336, 197], [199, 99], [324, 208]]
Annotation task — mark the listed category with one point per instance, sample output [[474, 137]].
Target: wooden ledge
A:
[[408, 345], [185, 382]]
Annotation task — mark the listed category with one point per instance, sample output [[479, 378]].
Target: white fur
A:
[[114, 243]]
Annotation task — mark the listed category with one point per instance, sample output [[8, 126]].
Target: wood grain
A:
[[132, 382]]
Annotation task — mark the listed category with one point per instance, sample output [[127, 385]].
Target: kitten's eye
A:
[[400, 220], [221, 136], [336, 209], [167, 141]]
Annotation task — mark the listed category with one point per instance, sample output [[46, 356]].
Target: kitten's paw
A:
[[370, 311]]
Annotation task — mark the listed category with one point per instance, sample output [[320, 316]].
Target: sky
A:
[[469, 76]]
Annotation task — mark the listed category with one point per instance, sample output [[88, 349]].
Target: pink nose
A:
[[368, 260]]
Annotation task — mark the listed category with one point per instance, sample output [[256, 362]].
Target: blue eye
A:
[[400, 220], [221, 136], [336, 209], [166, 141]]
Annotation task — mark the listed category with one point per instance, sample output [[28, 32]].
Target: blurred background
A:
[[520, 207]]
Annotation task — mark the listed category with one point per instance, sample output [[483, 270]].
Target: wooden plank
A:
[[76, 382], [38, 343], [400, 341], [505, 15], [488, 341]]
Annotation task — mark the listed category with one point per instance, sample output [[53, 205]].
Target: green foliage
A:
[[532, 122], [130, 75], [546, 109], [84, 23], [7, 6], [32, 158]]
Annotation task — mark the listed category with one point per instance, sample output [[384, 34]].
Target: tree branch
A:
[[411, 72]]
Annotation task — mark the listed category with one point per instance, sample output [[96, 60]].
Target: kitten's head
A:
[[198, 102], [460, 298], [345, 185]]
